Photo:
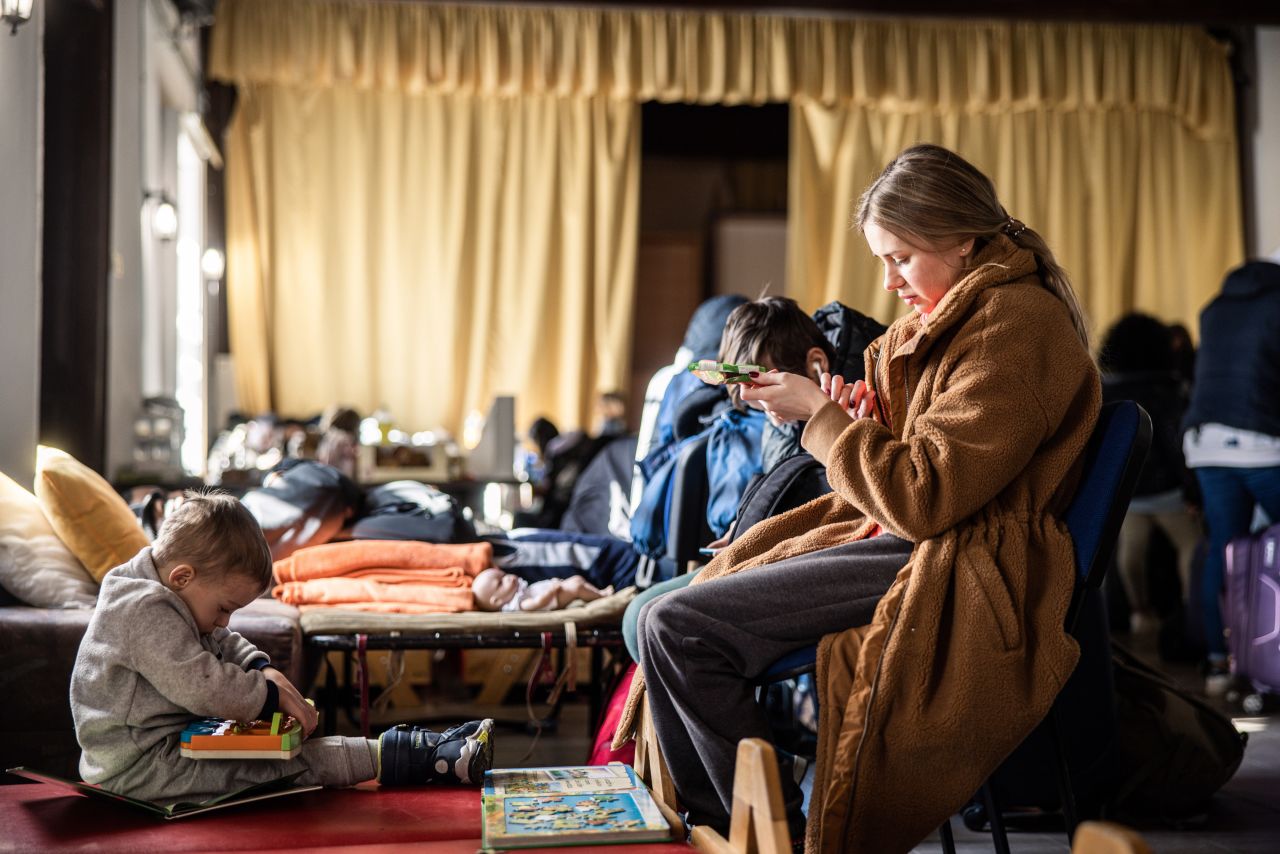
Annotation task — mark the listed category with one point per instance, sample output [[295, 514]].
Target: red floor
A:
[[438, 820]]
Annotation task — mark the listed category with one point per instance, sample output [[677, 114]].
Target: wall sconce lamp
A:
[[213, 264], [164, 216], [15, 12]]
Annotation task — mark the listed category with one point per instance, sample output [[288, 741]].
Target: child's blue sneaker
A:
[[413, 756]]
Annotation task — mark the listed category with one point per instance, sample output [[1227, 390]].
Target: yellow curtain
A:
[[430, 204], [645, 54], [428, 252], [1118, 144]]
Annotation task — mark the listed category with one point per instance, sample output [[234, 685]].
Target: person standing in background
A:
[[1139, 363], [1232, 438]]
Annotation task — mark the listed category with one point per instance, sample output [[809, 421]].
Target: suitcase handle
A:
[[1275, 612]]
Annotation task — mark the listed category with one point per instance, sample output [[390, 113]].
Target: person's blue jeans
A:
[[1229, 498], [631, 616]]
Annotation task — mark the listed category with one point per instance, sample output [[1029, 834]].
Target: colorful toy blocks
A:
[[211, 738]]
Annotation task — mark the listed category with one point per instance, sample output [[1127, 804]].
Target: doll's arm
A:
[[545, 599]]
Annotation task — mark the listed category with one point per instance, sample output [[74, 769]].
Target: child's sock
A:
[[410, 756], [375, 755]]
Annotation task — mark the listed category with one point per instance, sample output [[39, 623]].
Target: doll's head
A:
[[494, 588]]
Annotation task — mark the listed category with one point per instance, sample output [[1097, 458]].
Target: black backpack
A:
[[795, 481], [409, 510], [1173, 750]]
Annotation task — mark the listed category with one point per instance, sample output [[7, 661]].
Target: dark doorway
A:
[[700, 167]]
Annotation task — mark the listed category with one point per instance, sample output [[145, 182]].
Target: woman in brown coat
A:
[[938, 573]]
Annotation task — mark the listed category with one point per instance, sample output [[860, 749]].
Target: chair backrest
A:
[[1113, 460], [687, 529]]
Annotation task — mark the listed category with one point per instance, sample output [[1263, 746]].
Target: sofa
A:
[[38, 650]]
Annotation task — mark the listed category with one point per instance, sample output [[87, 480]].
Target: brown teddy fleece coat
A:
[[991, 404]]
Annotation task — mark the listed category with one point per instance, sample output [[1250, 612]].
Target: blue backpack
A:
[[733, 460], [649, 521]]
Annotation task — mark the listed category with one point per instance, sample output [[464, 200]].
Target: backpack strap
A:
[[794, 481]]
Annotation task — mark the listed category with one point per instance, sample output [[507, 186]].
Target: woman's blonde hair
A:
[[933, 198]]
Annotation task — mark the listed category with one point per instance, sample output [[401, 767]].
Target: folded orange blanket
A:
[[395, 576], [342, 559], [401, 596]]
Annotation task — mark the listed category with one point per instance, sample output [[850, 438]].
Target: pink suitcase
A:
[[1253, 612]]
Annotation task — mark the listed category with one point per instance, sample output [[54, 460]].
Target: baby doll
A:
[[495, 590]]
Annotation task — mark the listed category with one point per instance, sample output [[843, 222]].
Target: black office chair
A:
[[687, 528], [1113, 461]]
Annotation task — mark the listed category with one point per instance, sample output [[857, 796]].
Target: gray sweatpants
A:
[[165, 776], [701, 646]]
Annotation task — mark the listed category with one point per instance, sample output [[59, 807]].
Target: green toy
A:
[[721, 373]]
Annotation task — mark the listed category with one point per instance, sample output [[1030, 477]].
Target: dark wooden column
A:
[[77, 227]]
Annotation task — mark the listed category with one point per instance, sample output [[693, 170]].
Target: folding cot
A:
[[593, 625]]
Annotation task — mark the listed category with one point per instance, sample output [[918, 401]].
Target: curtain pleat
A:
[[1143, 214], [724, 58], [429, 252], [248, 273]]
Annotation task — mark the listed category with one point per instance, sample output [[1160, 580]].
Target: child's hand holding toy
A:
[[292, 701]]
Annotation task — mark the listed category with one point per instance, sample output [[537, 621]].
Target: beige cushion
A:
[[95, 522], [35, 566]]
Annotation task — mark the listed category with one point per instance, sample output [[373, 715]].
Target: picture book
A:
[[212, 738], [569, 805], [277, 788]]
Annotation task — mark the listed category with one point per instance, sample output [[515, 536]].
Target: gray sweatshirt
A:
[[144, 670]]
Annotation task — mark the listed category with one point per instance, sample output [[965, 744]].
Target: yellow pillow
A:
[[86, 513]]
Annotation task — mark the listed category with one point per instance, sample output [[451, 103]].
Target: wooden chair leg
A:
[[649, 764], [653, 771], [758, 823], [1101, 837]]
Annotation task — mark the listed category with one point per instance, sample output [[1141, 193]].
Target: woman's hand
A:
[[833, 385], [857, 398], [785, 397], [862, 403]]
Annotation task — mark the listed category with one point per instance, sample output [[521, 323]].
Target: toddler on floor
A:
[[157, 653]]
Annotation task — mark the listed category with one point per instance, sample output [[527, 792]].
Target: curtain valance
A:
[[726, 58]]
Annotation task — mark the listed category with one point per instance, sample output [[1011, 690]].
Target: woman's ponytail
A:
[[1054, 278]]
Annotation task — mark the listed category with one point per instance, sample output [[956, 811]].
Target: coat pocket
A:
[[979, 571]]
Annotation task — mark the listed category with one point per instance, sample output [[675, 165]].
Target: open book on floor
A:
[[276, 788], [569, 805]]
